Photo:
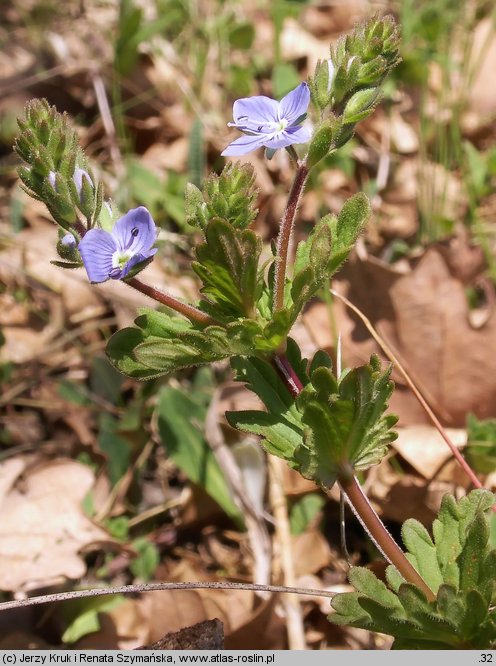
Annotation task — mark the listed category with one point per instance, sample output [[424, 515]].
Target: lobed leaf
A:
[[462, 616], [227, 264]]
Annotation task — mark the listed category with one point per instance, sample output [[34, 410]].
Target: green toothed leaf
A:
[[227, 264], [345, 421], [180, 421], [458, 564]]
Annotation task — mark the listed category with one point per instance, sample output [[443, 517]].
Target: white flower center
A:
[[120, 258], [277, 127]]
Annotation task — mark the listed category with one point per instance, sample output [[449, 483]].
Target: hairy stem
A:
[[359, 502], [374, 526], [285, 233], [188, 311], [156, 587]]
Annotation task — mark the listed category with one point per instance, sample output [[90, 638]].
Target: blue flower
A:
[[113, 254], [269, 123]]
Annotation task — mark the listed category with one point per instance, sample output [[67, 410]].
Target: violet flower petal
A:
[[245, 144], [78, 176], [135, 232], [295, 103], [288, 137], [299, 133], [52, 176], [97, 249], [251, 112]]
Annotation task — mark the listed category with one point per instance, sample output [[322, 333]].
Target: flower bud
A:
[[321, 83], [322, 141], [80, 175], [361, 105], [67, 248]]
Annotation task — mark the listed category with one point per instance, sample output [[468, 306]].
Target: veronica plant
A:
[[326, 426]]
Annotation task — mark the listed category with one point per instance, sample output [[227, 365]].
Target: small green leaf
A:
[[416, 538], [351, 221], [361, 105], [326, 249], [281, 437], [304, 512], [180, 418], [346, 422], [227, 264], [83, 616], [461, 617], [322, 144], [147, 560], [163, 344], [366, 582], [473, 553]]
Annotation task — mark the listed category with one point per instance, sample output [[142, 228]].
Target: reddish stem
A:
[[285, 233], [377, 531], [359, 501], [285, 369], [188, 311]]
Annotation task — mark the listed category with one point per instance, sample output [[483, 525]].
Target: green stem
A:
[[188, 311], [285, 233]]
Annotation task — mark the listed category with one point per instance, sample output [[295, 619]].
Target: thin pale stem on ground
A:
[[286, 232], [188, 311], [294, 619], [158, 587]]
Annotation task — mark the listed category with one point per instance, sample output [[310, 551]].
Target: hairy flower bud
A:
[[361, 105], [322, 142]]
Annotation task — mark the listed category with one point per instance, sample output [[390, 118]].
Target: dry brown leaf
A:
[[43, 526], [404, 139], [398, 497], [482, 93], [425, 450], [296, 42], [424, 316], [311, 552]]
